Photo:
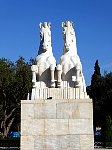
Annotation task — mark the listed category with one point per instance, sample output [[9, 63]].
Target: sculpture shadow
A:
[[68, 76], [45, 77]]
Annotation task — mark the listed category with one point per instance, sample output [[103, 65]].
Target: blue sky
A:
[[19, 29]]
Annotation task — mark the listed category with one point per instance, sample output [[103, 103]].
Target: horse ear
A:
[[40, 25], [72, 24], [63, 24], [49, 24]]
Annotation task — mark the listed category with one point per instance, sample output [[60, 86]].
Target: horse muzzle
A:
[[67, 46], [44, 48]]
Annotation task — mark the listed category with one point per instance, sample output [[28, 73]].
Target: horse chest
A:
[[67, 60]]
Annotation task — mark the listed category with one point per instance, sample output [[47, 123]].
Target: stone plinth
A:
[[57, 124], [59, 93]]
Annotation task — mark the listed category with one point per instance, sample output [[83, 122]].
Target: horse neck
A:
[[72, 44], [72, 50], [47, 53]]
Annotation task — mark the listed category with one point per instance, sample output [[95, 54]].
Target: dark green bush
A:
[[10, 142]]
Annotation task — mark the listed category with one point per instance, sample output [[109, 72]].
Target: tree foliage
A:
[[23, 79], [108, 133], [100, 91], [15, 83]]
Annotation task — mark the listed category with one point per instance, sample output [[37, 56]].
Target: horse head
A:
[[45, 37], [69, 37]]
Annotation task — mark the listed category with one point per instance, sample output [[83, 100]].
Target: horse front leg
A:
[[59, 72], [78, 78], [34, 70], [52, 69]]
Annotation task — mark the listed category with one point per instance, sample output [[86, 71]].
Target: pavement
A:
[[102, 149]]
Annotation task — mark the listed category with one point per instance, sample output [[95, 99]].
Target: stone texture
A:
[[45, 110], [86, 142], [67, 110], [27, 143], [29, 108], [80, 126], [68, 142], [86, 110], [61, 142], [32, 127], [57, 125]]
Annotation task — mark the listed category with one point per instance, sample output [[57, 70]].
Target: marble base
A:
[[57, 124]]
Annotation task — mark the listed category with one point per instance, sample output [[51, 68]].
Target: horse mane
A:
[[68, 30], [45, 32]]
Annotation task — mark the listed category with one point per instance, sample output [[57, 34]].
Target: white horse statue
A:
[[70, 67], [45, 61]]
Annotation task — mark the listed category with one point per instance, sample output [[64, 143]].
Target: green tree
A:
[[108, 95], [23, 79], [15, 83], [108, 133], [96, 93], [7, 101], [100, 91]]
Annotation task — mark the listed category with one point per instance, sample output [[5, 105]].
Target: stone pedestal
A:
[[57, 124]]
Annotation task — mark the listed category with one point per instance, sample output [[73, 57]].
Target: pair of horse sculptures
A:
[[69, 69]]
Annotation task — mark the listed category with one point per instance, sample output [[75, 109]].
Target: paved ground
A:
[[102, 149], [3, 148]]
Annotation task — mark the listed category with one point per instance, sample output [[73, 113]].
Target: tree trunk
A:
[[7, 125]]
